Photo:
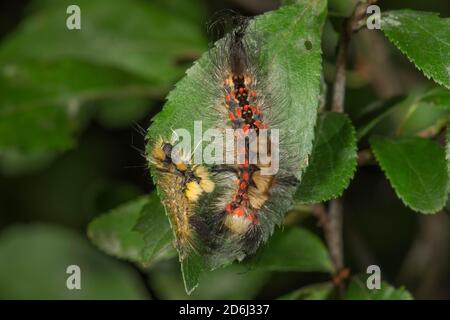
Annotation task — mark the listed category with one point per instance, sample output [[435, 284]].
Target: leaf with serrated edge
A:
[[357, 290], [332, 162], [424, 38], [416, 169], [292, 249]]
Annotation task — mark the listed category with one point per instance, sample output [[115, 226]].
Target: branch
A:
[[331, 221], [351, 25]]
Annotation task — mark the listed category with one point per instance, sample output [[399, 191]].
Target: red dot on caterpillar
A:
[[238, 212], [252, 218]]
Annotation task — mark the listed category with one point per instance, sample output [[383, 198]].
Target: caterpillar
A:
[[225, 211], [251, 202], [183, 183]]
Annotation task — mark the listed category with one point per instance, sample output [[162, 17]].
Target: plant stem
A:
[[350, 25], [332, 221]]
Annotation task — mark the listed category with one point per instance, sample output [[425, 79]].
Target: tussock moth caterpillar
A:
[[183, 183], [252, 202], [230, 88], [266, 59]]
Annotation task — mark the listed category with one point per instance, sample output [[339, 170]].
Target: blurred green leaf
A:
[[341, 8], [292, 249], [42, 104], [424, 38], [414, 112], [357, 290], [332, 161], [117, 113], [285, 58], [416, 169], [148, 45], [14, 162], [426, 111], [375, 112], [233, 282], [48, 73], [34, 262], [321, 291], [113, 232], [438, 97], [154, 227]]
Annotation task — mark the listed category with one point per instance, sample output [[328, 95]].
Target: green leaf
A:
[[153, 226], [116, 233], [357, 290], [438, 97], [416, 169], [321, 291], [113, 232], [332, 162], [35, 259], [118, 113], [42, 104], [14, 162], [292, 249], [424, 38], [148, 45], [48, 73], [233, 282], [374, 113], [419, 107]]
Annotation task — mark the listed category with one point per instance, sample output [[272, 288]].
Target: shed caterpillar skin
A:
[[183, 184], [250, 204]]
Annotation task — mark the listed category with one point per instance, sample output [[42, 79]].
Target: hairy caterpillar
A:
[[183, 183], [251, 202], [228, 88]]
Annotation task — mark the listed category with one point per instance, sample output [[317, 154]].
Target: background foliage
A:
[[74, 107]]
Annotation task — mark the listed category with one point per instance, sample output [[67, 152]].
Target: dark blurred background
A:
[[73, 114]]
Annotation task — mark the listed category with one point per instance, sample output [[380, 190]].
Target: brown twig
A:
[[365, 157], [350, 25], [331, 221]]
